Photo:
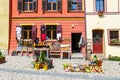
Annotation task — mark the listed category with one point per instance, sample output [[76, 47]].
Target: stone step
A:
[[76, 56]]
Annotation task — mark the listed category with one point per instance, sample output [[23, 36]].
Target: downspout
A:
[[85, 29], [9, 32]]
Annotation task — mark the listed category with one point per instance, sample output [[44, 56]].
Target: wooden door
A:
[[97, 41]]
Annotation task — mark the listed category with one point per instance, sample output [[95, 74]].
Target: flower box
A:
[[100, 13]]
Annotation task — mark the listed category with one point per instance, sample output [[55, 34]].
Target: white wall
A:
[[89, 5], [109, 21], [112, 5]]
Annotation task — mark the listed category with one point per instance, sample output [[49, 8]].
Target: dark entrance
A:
[[75, 39]]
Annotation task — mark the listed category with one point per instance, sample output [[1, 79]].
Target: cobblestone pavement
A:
[[20, 68]]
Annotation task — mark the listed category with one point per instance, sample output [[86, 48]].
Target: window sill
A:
[[27, 11], [76, 11], [114, 44], [51, 11]]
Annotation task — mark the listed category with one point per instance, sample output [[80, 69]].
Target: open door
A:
[[97, 41], [75, 40]]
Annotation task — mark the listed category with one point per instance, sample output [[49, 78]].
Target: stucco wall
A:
[[110, 5], [111, 20], [4, 23]]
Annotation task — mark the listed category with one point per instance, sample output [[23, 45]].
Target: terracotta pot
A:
[[2, 60]]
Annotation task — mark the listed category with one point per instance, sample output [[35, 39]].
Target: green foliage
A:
[[114, 58], [65, 65], [1, 54], [42, 56]]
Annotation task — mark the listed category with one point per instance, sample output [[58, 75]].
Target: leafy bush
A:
[[1, 54], [114, 58]]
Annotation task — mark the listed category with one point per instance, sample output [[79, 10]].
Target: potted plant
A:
[[2, 58], [100, 13]]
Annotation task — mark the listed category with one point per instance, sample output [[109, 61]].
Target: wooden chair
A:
[[55, 49]]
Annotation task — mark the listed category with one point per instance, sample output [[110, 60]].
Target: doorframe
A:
[[103, 40]]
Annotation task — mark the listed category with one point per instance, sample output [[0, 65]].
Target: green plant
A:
[[114, 58], [42, 56], [1, 54]]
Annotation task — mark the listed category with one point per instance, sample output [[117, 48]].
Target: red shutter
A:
[[59, 5], [20, 5], [44, 5], [69, 5], [59, 32], [35, 5], [79, 2], [34, 32]]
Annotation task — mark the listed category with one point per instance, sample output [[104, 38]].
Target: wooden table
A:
[[68, 52]]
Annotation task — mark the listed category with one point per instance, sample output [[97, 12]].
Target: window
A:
[[114, 37], [51, 5], [27, 5], [26, 32], [74, 5], [99, 5], [51, 31]]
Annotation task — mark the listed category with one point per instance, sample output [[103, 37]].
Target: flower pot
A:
[[2, 60], [37, 66], [100, 13]]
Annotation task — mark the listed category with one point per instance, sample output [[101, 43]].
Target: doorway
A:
[[75, 39]]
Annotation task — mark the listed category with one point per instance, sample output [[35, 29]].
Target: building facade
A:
[[36, 17], [102, 25], [4, 24]]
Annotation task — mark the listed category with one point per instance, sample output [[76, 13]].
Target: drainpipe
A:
[[85, 30], [9, 26]]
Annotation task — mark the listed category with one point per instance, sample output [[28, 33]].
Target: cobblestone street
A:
[[19, 68]]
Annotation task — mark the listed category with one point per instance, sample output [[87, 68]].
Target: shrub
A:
[[1, 54], [114, 58]]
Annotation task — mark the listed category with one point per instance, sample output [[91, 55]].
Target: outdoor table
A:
[[66, 51]]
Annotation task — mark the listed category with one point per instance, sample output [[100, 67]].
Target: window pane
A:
[[74, 6], [52, 0], [114, 35], [49, 6], [54, 6], [99, 5], [25, 34], [49, 34], [54, 34], [26, 0], [30, 34], [51, 31], [30, 0], [49, 0], [31, 6]]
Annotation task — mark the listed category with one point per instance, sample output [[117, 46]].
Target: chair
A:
[[65, 48], [55, 49]]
